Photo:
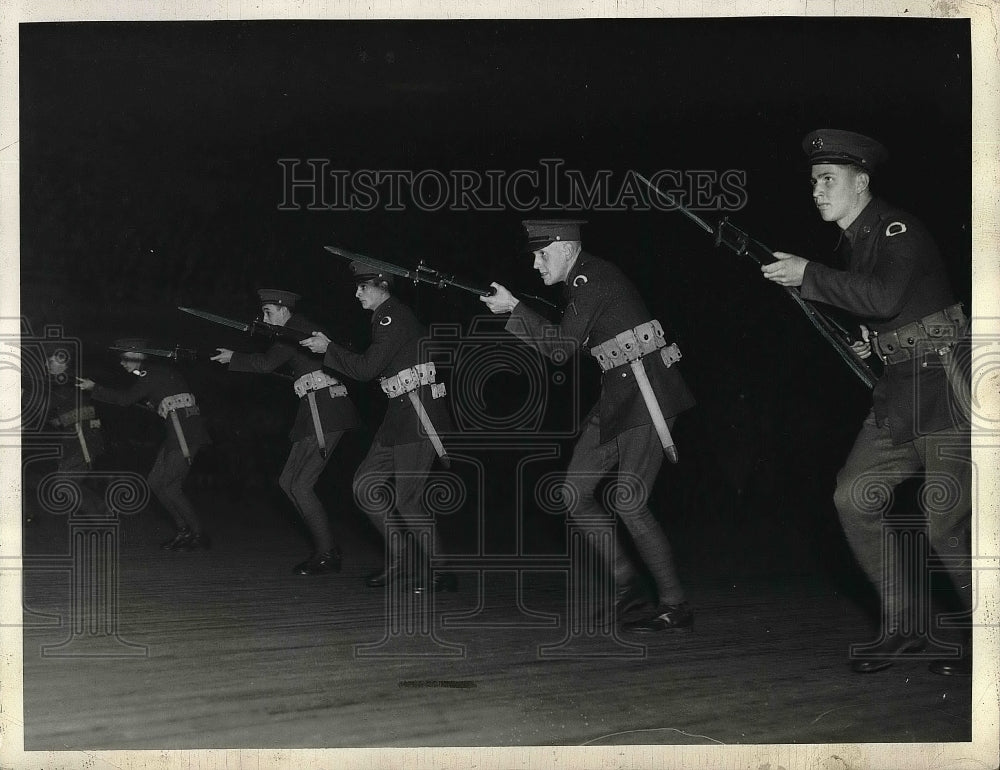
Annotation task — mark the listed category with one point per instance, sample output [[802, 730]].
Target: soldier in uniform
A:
[[72, 412], [325, 413], [404, 447], [162, 388], [620, 430], [895, 283]]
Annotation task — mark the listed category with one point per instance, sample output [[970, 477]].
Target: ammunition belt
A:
[[902, 344], [633, 344], [408, 380], [73, 416], [317, 381], [175, 402]]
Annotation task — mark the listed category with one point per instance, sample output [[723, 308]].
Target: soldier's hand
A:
[[863, 346], [317, 343], [84, 384], [787, 271], [224, 356], [501, 301]]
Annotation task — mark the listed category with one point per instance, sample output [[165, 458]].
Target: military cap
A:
[[364, 272], [278, 297], [129, 347], [830, 145], [542, 232]]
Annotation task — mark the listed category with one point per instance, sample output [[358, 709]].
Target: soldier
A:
[[624, 429], [71, 411], [404, 447], [164, 389], [895, 283], [325, 413]]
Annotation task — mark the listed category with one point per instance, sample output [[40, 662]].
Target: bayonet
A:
[[729, 235], [256, 327], [424, 273]]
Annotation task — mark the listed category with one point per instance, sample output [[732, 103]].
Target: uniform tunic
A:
[[336, 414], [600, 304], [395, 345], [895, 275], [158, 383]]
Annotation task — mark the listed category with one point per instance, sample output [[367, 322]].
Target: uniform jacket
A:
[[336, 414], [159, 382], [894, 275], [395, 345], [600, 304], [64, 401]]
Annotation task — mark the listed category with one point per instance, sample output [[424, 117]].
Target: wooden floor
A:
[[227, 648]]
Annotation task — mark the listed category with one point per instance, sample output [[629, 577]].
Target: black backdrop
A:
[[150, 178]]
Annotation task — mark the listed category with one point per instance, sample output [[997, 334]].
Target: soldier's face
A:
[[370, 295], [276, 315], [553, 262], [56, 364], [837, 192], [131, 364]]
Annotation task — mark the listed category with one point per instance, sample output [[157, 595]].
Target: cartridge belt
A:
[[317, 381], [899, 345], [408, 380], [633, 344], [73, 416], [175, 402]]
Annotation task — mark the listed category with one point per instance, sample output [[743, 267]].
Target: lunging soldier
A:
[[642, 392], [895, 283], [165, 390], [325, 413], [404, 447]]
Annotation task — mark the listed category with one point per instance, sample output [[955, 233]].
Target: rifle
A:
[[254, 328], [177, 353], [729, 235], [423, 273]]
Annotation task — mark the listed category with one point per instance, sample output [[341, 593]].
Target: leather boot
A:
[[178, 541], [320, 563], [198, 541], [887, 652], [390, 574], [668, 617]]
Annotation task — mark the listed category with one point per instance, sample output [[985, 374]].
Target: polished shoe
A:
[[442, 581], [668, 617], [178, 541], [961, 667], [632, 596], [196, 542], [887, 652], [319, 563], [388, 575]]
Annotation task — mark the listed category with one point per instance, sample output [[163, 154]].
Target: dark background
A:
[[149, 179]]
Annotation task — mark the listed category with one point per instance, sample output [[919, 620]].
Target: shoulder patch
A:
[[385, 320], [580, 280], [895, 228]]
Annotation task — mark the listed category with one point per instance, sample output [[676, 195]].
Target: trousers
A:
[[391, 480], [865, 488], [637, 454], [166, 480], [298, 479]]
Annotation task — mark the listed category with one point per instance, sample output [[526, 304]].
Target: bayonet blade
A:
[[378, 264], [216, 319], [677, 204], [160, 352]]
